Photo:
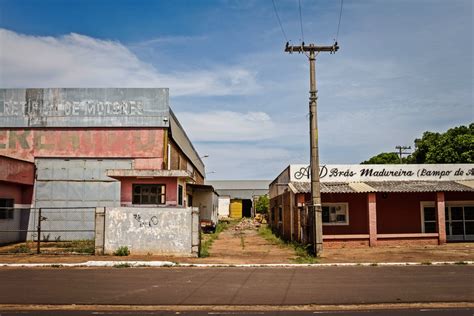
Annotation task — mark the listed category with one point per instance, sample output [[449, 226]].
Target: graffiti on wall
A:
[[143, 223]]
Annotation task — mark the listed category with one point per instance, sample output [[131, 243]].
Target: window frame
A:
[[8, 210], [346, 207], [160, 186]]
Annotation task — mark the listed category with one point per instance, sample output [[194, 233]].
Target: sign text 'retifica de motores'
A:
[[73, 108], [354, 173]]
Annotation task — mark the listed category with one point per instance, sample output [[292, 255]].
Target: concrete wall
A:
[[166, 231]]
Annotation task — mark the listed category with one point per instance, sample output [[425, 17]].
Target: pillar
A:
[[99, 230], [441, 221], [372, 218]]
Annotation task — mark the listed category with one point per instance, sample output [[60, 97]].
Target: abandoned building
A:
[[88, 148], [369, 205], [237, 197]]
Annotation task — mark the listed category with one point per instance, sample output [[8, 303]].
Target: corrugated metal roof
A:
[[469, 183], [361, 187], [337, 187], [179, 136], [240, 184], [384, 186], [419, 186]]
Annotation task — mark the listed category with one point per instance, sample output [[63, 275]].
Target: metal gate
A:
[[47, 230]]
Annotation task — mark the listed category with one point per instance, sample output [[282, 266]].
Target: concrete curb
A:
[[221, 265]]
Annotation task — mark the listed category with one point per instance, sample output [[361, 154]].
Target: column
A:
[[441, 228], [372, 217]]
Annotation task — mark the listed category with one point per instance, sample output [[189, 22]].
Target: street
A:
[[238, 286]]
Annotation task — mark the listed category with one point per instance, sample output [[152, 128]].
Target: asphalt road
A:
[[237, 286]]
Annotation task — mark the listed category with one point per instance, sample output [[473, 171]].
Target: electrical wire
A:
[[279, 21], [301, 21], [339, 23]]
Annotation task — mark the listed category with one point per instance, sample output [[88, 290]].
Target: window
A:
[[280, 214], [149, 194], [180, 194], [429, 219], [5, 211], [335, 214]]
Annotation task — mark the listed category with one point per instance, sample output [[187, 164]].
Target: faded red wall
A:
[[171, 188], [103, 142], [400, 212], [18, 171], [22, 194], [358, 222], [459, 196]]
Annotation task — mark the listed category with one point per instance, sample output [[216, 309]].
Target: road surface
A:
[[237, 286]]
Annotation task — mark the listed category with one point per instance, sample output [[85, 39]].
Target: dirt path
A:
[[246, 246]]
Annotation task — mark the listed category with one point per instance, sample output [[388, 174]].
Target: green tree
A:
[[383, 158], [456, 145], [262, 204]]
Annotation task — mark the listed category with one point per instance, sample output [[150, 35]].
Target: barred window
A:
[[335, 214], [149, 194], [6, 208]]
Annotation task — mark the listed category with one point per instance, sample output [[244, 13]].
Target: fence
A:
[[47, 230]]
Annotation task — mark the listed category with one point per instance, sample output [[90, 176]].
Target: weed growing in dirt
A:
[[123, 265], [122, 251], [242, 241], [461, 262], [426, 263], [303, 255], [21, 249], [208, 239]]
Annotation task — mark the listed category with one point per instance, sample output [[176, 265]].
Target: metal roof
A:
[[240, 184], [179, 136], [383, 186]]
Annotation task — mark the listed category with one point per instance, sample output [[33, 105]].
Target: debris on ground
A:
[[247, 224]]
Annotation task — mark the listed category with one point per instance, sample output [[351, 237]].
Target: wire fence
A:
[[47, 230]]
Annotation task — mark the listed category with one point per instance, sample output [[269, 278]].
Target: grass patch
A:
[[21, 249], [123, 265], [461, 263], [122, 251], [208, 239], [302, 252], [85, 246]]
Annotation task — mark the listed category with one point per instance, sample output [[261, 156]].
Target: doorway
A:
[[459, 222]]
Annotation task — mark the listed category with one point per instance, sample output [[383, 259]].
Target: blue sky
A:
[[404, 67]]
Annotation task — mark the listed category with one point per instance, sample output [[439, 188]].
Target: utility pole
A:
[[401, 152], [316, 207]]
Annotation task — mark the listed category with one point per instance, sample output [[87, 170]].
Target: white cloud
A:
[[228, 126], [76, 60]]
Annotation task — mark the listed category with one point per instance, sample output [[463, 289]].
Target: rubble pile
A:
[[250, 223]]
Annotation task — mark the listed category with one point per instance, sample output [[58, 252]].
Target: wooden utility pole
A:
[[401, 152], [316, 208]]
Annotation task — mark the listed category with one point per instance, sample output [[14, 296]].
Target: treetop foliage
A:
[[456, 145]]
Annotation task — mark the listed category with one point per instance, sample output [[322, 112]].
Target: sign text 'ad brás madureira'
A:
[[353, 173]]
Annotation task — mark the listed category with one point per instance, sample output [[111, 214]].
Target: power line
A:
[[339, 23], [301, 21], [279, 21]]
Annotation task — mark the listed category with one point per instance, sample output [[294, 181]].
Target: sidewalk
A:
[[455, 252]]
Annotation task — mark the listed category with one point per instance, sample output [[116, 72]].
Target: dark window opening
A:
[[149, 194], [6, 208], [429, 219], [180, 194], [280, 214]]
